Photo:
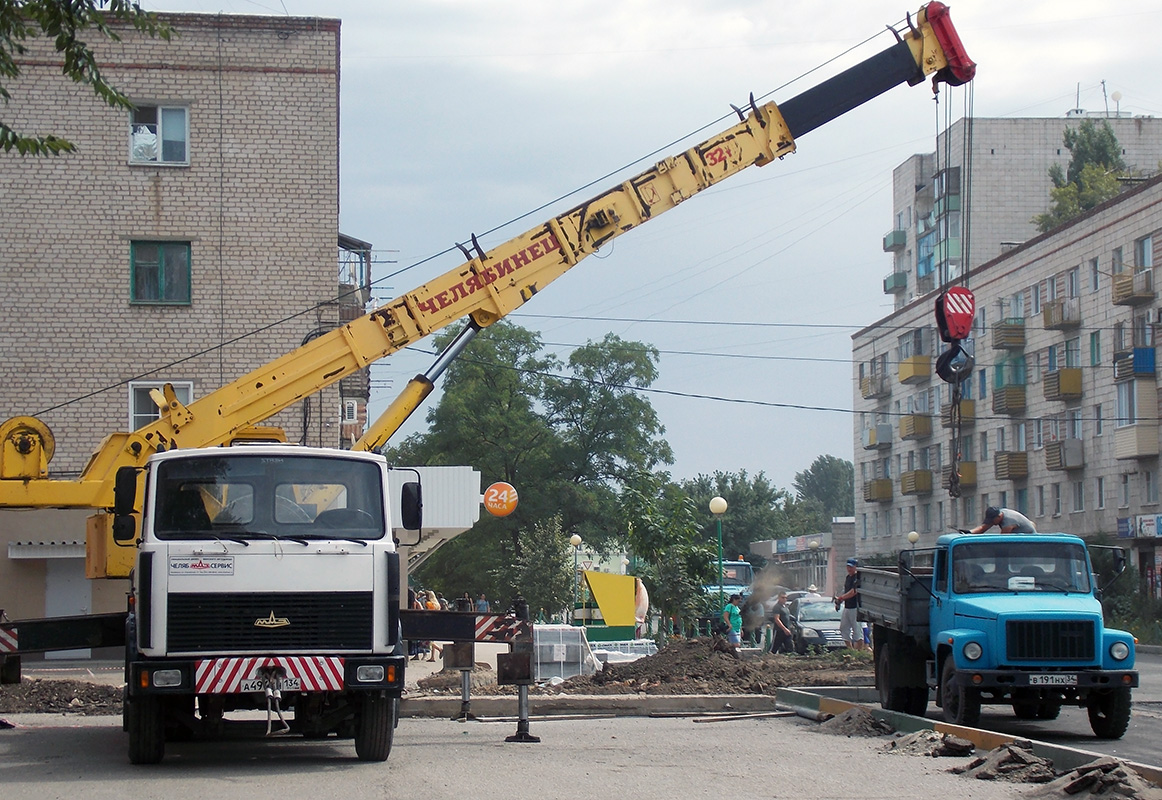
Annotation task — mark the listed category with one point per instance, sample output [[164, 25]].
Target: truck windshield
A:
[[1020, 567], [245, 496]]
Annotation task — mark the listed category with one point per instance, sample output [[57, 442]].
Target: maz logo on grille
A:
[[271, 622]]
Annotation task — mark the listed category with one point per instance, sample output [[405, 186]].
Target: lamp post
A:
[[718, 508], [913, 537], [575, 540]]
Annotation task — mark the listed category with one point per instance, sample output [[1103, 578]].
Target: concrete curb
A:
[[615, 705], [840, 699]]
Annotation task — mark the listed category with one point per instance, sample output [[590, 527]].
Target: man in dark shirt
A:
[[781, 618], [849, 627]]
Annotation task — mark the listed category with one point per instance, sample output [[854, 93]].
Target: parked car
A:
[[816, 625]]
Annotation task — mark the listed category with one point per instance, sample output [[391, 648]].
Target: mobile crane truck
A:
[[265, 597], [999, 618]]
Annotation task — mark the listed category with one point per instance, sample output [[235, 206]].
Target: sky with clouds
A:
[[462, 116]]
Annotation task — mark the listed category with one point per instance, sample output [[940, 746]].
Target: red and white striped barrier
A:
[[8, 640], [297, 673], [500, 628]]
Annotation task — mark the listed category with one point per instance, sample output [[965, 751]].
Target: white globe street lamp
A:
[[718, 508]]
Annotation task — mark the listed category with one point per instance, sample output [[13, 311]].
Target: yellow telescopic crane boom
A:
[[486, 288]]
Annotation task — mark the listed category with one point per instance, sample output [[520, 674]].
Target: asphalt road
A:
[[437, 759]]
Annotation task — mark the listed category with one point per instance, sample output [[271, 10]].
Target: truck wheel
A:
[[10, 669], [143, 720], [375, 727], [1025, 710], [894, 695], [1049, 711], [1109, 713], [961, 703]]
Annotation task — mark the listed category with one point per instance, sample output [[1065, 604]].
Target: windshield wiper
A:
[[264, 535], [319, 537]]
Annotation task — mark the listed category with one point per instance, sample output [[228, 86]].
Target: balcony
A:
[[915, 369], [1062, 314], [1009, 400], [896, 282], [878, 491], [1009, 334], [925, 283], [917, 481], [950, 202], [874, 386], [1136, 441], [967, 414], [1136, 363], [967, 470], [1011, 465], [915, 426], [1064, 454], [1063, 384], [1133, 288], [877, 437], [895, 240]]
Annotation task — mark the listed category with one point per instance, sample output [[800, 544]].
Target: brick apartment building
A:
[[188, 241]]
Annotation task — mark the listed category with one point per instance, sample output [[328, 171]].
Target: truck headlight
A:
[[1119, 651], [369, 673], [972, 651]]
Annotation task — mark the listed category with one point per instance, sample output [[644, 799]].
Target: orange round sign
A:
[[500, 499]]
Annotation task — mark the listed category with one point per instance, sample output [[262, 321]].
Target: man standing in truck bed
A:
[[1008, 520]]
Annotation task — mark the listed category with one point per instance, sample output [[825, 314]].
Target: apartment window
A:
[[1057, 499], [142, 409], [1124, 498], [983, 383], [1001, 439], [984, 447], [1019, 441], [1073, 282], [1035, 298], [159, 135], [1100, 492], [1094, 275], [1073, 423], [1078, 496], [966, 449], [969, 509], [940, 515], [1022, 497], [1038, 433], [1051, 358], [1040, 507], [1126, 407], [926, 516], [1097, 420], [1095, 349], [160, 272], [1073, 352], [1117, 261], [863, 526], [1150, 487], [1004, 500], [1144, 253]]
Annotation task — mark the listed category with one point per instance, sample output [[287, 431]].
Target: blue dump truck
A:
[[1010, 619]]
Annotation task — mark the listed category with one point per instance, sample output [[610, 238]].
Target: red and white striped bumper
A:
[[226, 675]]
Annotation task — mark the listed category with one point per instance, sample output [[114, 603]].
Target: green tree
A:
[[754, 510], [542, 571], [670, 553], [566, 442], [1092, 176], [65, 22], [831, 482]]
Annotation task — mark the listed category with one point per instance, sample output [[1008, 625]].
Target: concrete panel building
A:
[[976, 196], [1060, 419], [188, 241]]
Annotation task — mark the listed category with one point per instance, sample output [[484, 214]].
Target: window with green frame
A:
[[160, 273]]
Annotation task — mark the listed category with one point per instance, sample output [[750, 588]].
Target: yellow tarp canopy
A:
[[614, 595]]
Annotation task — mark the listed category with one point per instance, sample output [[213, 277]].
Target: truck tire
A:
[[961, 703], [375, 727], [143, 720], [1049, 711], [10, 669], [1025, 710], [1109, 713], [895, 695]]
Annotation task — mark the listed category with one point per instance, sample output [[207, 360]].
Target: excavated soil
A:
[[692, 666], [32, 696]]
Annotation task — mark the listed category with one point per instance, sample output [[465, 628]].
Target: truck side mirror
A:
[[125, 490], [124, 528], [411, 506]]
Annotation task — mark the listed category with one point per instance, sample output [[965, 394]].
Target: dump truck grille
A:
[[269, 622], [1058, 640]]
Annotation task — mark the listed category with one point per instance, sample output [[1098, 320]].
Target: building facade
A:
[[1059, 419], [187, 241], [976, 196]]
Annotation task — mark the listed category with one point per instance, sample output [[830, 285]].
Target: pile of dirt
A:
[[691, 666], [1104, 777], [1014, 762], [930, 743], [856, 722], [32, 696]]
